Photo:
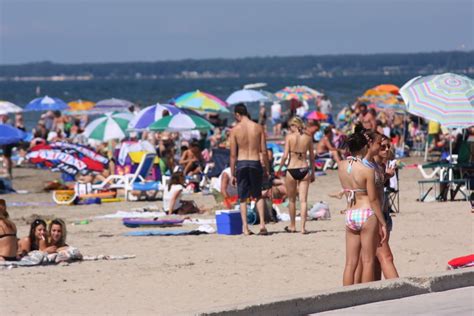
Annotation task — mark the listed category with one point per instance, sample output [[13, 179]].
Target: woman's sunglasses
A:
[[384, 147]]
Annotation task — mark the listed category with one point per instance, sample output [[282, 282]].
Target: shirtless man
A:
[[247, 142], [192, 160], [325, 148]]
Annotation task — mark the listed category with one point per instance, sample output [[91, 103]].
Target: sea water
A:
[[144, 92]]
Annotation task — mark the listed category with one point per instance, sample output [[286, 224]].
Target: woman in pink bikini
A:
[[364, 214]]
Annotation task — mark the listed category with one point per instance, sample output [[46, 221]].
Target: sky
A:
[[67, 31]]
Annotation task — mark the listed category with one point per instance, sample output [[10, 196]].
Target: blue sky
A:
[[143, 30]]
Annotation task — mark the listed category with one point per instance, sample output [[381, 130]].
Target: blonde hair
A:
[[296, 121]]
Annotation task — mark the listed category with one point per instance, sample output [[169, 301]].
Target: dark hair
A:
[[241, 109], [194, 143], [175, 179], [357, 140], [328, 130], [33, 226]]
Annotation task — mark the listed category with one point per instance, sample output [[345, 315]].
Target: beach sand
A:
[[176, 275]]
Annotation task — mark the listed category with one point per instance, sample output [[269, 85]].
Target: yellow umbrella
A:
[[80, 105]]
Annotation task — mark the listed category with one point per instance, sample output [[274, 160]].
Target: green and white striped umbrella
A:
[[181, 122], [109, 126]]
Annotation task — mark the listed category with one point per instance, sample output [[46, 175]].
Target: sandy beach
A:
[[177, 275]]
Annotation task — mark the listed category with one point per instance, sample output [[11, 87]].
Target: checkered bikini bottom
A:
[[355, 219]]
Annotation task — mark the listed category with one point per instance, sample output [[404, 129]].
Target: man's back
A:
[[248, 137]]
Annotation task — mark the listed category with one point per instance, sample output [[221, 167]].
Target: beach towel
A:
[[36, 258], [137, 222], [164, 233]]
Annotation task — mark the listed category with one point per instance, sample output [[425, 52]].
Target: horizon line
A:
[[236, 58]]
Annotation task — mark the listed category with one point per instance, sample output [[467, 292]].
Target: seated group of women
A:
[[41, 237]]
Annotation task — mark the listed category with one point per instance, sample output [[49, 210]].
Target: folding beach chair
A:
[[393, 194], [133, 182]]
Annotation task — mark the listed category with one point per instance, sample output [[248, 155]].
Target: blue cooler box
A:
[[229, 222]]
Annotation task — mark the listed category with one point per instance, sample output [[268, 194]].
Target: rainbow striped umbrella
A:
[[297, 92], [201, 101], [181, 122], [447, 99]]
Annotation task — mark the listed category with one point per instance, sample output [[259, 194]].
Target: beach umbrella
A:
[[387, 88], [10, 134], [56, 160], [151, 114], [80, 107], [201, 102], [181, 122], [82, 150], [8, 107], [111, 105], [317, 116], [447, 98], [108, 127], [46, 104], [270, 96], [245, 96], [297, 92]]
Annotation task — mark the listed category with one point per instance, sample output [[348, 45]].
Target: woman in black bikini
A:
[[298, 149], [8, 240], [36, 240]]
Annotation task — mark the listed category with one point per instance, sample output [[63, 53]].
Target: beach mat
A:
[[142, 233], [138, 222]]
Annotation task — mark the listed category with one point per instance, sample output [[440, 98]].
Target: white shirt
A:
[[231, 190], [276, 110], [168, 195], [325, 106]]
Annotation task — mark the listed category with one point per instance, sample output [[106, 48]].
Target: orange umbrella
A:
[[387, 88], [81, 105], [317, 116]]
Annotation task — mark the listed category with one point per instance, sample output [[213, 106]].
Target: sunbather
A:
[[8, 240], [192, 160], [36, 240], [57, 236], [172, 202]]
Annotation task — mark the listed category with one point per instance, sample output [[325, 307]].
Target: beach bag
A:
[[319, 211]]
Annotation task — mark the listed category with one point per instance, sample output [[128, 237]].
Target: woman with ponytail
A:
[[298, 151]]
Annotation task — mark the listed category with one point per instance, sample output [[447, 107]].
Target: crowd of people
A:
[[361, 141]]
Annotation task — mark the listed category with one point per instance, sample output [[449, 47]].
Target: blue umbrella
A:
[[151, 114], [46, 104], [10, 134]]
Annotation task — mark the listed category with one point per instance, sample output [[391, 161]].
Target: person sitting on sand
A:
[[8, 240], [223, 189], [36, 240], [362, 227], [192, 160], [325, 147], [299, 175], [57, 236], [172, 202]]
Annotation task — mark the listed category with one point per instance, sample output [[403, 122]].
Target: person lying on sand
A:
[[8, 240], [57, 236], [36, 240]]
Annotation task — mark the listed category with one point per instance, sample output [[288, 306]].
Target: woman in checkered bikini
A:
[[362, 227]]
